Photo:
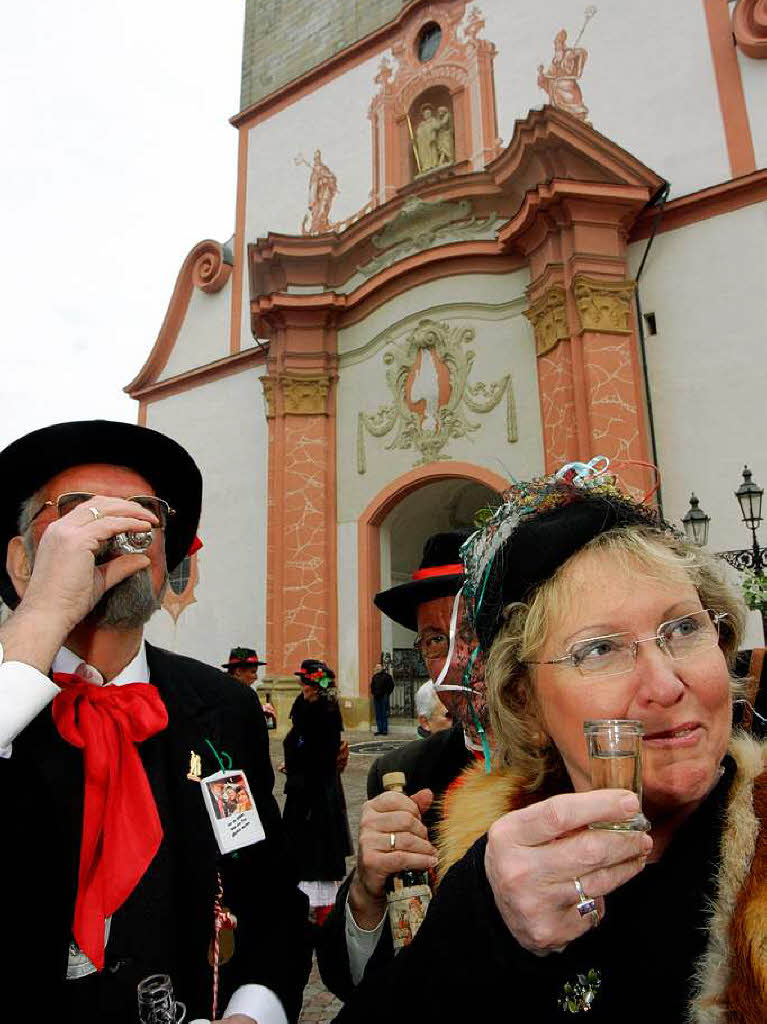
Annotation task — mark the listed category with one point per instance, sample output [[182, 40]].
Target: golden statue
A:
[[445, 139]]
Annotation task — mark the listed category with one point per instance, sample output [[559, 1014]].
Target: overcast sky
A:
[[117, 158]]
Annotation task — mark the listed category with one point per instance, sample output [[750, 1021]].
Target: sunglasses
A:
[[66, 502]]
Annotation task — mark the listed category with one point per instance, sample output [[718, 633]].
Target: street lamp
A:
[[749, 497], [695, 523]]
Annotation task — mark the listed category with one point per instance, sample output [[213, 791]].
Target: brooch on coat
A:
[[578, 996]]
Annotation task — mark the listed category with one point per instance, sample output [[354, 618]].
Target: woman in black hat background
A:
[[315, 806]]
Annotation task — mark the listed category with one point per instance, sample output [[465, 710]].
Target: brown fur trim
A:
[[470, 807], [742, 827], [747, 991]]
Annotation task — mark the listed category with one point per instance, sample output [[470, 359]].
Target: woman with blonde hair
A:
[[587, 606]]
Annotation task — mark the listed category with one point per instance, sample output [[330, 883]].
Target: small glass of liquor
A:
[[615, 760], [156, 1002], [407, 892]]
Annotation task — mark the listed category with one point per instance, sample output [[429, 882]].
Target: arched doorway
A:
[[391, 533], [438, 506]]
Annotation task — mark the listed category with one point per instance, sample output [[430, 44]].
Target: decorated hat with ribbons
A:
[[541, 523], [316, 673]]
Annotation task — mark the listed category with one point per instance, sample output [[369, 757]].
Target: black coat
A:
[[464, 963], [382, 684], [315, 809], [427, 764], [166, 924]]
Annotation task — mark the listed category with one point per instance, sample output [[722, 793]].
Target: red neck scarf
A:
[[121, 826]]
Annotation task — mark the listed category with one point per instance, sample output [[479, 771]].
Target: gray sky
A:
[[117, 158]]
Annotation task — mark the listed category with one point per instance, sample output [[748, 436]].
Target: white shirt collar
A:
[[136, 671]]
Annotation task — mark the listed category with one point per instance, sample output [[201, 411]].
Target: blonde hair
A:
[[662, 557]]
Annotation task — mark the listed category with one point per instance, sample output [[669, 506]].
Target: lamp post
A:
[[695, 523], [749, 496]]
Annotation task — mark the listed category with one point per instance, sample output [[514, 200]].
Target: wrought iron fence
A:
[[408, 672]]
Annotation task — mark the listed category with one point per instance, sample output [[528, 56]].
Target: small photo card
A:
[[232, 810]]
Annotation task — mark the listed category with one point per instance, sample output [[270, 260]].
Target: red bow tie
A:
[[121, 826]]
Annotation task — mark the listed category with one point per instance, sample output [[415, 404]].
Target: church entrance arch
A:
[[391, 534]]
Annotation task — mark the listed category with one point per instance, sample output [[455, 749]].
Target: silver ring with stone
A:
[[94, 512], [585, 906], [392, 840]]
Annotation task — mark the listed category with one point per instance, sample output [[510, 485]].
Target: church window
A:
[[429, 39]]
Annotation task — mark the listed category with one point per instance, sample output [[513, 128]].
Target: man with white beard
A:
[[117, 874]]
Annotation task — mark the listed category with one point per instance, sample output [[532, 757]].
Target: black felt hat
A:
[[439, 575], [31, 461], [243, 657], [539, 543]]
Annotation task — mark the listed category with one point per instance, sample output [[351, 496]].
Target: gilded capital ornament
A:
[[548, 315], [305, 396], [604, 305]]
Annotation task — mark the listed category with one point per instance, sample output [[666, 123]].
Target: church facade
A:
[[471, 243]]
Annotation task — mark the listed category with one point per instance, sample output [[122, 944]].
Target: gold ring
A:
[[392, 840], [94, 512]]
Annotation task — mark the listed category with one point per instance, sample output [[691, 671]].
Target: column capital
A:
[[548, 316], [297, 395], [604, 305]]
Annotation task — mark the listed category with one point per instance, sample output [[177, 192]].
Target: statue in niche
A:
[[323, 188], [560, 80], [434, 143], [445, 139]]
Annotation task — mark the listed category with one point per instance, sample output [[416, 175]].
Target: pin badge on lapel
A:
[[195, 767]]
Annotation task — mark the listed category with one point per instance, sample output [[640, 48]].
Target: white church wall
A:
[[204, 334], [648, 81], [754, 76], [223, 426], [332, 119], [705, 284], [491, 305]]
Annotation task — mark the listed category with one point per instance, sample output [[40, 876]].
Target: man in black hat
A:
[[243, 665], [119, 875], [356, 937]]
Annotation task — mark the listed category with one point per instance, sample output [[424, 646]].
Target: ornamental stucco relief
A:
[[428, 377], [604, 305], [560, 81], [548, 317], [301, 396]]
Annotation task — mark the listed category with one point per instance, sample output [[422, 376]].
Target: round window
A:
[[429, 39]]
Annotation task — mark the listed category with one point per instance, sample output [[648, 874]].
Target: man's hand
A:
[[386, 815], [236, 1018], [65, 583]]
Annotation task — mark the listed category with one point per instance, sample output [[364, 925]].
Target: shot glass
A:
[[156, 1002], [615, 760]]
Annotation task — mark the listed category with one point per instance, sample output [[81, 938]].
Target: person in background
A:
[[356, 938], [432, 714], [117, 880], [381, 687], [243, 665], [315, 807]]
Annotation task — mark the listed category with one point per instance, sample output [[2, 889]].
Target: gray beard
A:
[[128, 605]]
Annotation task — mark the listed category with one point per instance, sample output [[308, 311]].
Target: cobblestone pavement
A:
[[320, 1006]]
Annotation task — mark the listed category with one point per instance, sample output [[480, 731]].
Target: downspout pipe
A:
[[659, 202]]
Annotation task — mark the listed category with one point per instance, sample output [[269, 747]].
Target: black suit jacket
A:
[[41, 853], [433, 764]]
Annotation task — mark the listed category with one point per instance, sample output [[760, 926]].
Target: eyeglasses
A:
[[66, 502], [616, 653]]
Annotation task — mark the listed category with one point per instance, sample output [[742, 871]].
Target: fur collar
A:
[[731, 977]]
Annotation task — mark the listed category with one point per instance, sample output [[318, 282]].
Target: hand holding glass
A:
[[615, 760]]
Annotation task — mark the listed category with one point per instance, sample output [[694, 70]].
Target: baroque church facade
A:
[[471, 243]]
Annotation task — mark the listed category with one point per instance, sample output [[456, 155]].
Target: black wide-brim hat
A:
[[543, 542], [315, 667], [31, 461], [243, 657], [440, 574]]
